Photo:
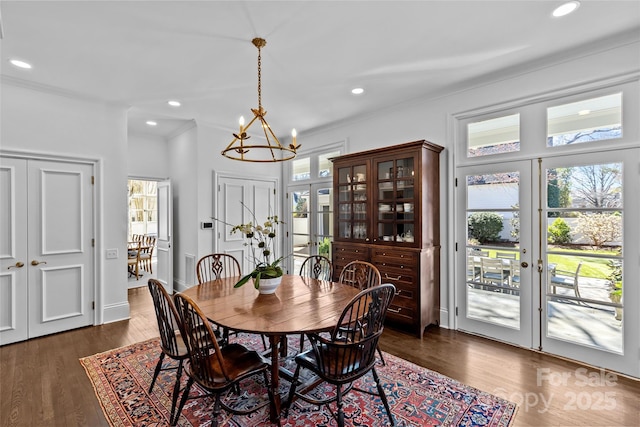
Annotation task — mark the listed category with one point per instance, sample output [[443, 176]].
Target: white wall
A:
[[147, 157], [49, 123]]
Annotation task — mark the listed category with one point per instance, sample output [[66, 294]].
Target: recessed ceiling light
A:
[[174, 103], [566, 8], [20, 64], [152, 123], [584, 112], [357, 91]]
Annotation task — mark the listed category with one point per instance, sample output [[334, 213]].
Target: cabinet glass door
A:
[[352, 202], [395, 207]]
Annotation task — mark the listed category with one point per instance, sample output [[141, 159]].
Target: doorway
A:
[[311, 210], [142, 196]]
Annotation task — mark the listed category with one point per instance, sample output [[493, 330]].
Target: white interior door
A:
[[257, 196], [164, 267], [13, 250], [47, 225], [494, 293]]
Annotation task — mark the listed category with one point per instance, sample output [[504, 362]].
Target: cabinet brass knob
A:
[[36, 262], [18, 265]]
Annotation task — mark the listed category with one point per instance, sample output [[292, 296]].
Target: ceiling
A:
[[140, 54]]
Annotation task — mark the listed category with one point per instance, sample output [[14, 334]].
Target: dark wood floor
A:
[[43, 384]]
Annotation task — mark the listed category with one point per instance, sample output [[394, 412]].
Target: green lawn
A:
[[596, 268]]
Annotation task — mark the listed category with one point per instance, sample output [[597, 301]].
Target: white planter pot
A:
[[269, 286]]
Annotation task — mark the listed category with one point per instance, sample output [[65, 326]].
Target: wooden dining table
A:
[[299, 305]]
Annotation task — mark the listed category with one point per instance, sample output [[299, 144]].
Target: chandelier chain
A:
[[259, 79]]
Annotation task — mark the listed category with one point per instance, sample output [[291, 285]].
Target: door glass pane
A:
[[324, 231], [593, 119], [495, 136], [584, 250], [300, 227], [493, 235]]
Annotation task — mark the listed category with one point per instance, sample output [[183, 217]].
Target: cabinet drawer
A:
[[400, 314], [394, 257]]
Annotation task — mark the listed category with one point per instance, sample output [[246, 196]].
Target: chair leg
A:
[[185, 396], [339, 404], [176, 390], [156, 372], [383, 396], [216, 411], [292, 391]]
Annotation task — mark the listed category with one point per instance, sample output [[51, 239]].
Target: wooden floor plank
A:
[[43, 383]]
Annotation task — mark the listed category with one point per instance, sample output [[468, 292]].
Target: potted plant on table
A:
[[266, 273]]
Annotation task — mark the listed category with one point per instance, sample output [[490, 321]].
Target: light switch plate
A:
[[112, 253]]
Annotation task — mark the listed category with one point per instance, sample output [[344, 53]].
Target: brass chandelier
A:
[[272, 150]]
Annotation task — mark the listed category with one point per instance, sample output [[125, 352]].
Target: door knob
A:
[[36, 262], [524, 264], [18, 265]]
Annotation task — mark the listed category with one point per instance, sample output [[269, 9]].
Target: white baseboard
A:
[[444, 318], [116, 312]]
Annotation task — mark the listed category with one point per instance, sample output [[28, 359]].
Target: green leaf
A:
[[242, 281]]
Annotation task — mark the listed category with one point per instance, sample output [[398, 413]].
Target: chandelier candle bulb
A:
[[294, 134], [241, 121]]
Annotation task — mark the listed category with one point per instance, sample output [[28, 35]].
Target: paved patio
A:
[[591, 325]]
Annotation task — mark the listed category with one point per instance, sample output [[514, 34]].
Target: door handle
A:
[[36, 262], [18, 265], [524, 264]]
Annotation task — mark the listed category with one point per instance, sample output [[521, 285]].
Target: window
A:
[[143, 207], [594, 119], [494, 136]]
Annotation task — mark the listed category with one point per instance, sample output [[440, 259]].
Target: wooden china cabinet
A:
[[387, 212]]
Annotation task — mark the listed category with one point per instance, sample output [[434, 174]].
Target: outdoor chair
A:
[[216, 369], [566, 279], [494, 271], [348, 353]]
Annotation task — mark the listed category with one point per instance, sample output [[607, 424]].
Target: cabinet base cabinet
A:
[[414, 273]]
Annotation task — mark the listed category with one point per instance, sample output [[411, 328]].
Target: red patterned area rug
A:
[[417, 396]]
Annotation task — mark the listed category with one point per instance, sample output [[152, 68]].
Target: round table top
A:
[[300, 304]]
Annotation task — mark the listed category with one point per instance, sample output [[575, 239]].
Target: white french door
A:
[[46, 247], [311, 219], [590, 301], [548, 258], [494, 258]]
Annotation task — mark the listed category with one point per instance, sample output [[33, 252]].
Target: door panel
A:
[[589, 223], [13, 250], [495, 251], [236, 199], [164, 267], [61, 254]]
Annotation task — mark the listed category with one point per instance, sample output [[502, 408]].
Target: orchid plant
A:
[[260, 239]]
